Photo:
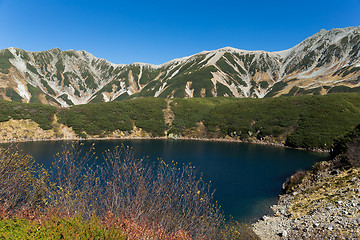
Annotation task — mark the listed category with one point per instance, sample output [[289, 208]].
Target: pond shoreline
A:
[[166, 138]]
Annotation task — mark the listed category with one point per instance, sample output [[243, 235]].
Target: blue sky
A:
[[158, 31]]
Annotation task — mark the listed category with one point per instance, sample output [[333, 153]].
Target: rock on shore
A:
[[324, 205]]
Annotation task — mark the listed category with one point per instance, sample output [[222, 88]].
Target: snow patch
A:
[[140, 74], [17, 62], [221, 78], [62, 102], [121, 91], [142, 65], [283, 54], [215, 58], [106, 99], [174, 73], [188, 91], [208, 55], [22, 90], [159, 91]]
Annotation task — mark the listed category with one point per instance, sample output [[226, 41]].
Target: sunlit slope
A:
[[327, 62]]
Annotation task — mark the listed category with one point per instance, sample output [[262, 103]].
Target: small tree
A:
[[23, 184], [75, 183]]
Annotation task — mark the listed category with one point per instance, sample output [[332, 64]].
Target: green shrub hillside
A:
[[324, 119], [42, 114], [98, 118], [303, 121]]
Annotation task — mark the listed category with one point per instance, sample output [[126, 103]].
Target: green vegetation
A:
[[98, 99], [42, 114], [123, 96], [264, 84], [66, 99], [50, 98], [276, 88], [308, 60], [77, 93], [230, 58], [297, 91], [304, 121], [103, 118], [222, 90], [323, 119], [223, 64], [178, 83], [351, 155], [332, 51], [352, 70], [89, 80], [67, 82], [5, 65], [34, 93], [343, 89], [47, 87], [31, 68], [67, 228], [293, 92], [13, 95]]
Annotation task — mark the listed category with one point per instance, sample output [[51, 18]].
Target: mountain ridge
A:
[[328, 61]]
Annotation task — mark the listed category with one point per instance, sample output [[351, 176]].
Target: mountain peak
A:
[[326, 62]]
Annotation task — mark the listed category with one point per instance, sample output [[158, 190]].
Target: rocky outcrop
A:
[[325, 205], [28, 130]]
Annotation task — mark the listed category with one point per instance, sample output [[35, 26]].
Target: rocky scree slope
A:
[[326, 62]]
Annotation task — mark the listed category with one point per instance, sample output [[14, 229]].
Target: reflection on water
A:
[[247, 178]]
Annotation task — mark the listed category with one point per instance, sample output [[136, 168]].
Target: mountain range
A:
[[326, 62]]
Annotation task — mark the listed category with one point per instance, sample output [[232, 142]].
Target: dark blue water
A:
[[247, 177]]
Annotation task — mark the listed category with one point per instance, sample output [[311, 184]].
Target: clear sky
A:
[[158, 31]]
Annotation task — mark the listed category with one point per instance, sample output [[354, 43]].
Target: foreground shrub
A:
[[75, 183], [23, 185], [165, 195]]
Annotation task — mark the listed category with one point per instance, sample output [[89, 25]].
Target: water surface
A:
[[247, 178]]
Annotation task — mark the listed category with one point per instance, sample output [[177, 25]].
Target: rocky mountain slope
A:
[[326, 62]]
